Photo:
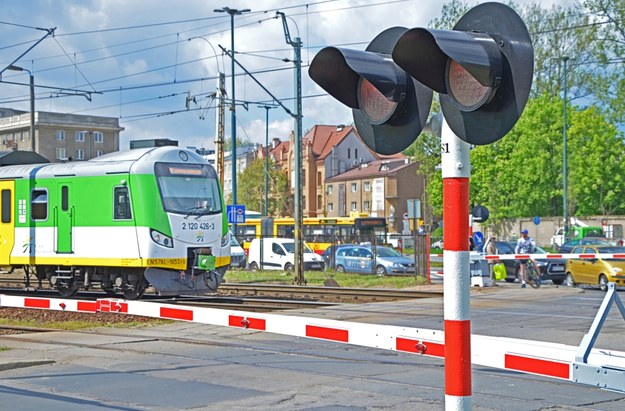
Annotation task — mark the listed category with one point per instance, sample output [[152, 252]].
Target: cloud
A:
[[138, 54]]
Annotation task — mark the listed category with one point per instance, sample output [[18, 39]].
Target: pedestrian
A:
[[491, 249], [525, 245]]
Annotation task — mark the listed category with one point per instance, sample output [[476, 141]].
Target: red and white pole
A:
[[456, 169]]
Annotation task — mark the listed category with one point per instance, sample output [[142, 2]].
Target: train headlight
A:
[[161, 239], [225, 239]]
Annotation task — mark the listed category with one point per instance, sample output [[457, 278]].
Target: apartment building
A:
[[380, 188], [340, 175], [59, 136]]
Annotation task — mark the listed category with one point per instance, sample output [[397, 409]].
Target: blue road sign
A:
[[236, 213], [478, 238]]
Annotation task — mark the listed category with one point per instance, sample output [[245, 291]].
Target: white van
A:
[[278, 254]]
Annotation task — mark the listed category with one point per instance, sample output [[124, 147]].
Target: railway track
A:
[[329, 294]]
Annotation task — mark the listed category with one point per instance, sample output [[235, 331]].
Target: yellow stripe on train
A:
[[172, 263]]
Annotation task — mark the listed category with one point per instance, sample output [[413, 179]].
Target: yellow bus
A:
[[318, 232]]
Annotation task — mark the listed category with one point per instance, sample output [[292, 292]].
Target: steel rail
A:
[[325, 293]]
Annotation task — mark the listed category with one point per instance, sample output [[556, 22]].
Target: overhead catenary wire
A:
[[253, 16]]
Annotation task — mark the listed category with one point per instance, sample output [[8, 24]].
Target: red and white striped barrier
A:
[[538, 256], [526, 356]]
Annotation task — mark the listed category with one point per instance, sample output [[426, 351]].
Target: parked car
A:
[[550, 269], [329, 254], [360, 259], [598, 270], [569, 245]]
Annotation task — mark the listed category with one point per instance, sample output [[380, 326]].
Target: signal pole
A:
[[297, 140]]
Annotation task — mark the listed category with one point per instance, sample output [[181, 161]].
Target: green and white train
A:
[[119, 222]]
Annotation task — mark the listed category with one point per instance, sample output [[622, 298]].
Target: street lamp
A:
[[267, 108], [232, 13], [32, 102], [564, 156]]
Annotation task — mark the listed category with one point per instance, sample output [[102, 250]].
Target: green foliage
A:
[[521, 175], [240, 143], [251, 188]]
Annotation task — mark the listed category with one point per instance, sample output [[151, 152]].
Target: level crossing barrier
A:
[[584, 364]]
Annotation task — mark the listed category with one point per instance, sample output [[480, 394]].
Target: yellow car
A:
[[599, 270]]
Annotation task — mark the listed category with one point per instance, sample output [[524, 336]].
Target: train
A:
[[120, 222]]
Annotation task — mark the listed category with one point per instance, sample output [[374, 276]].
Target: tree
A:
[[240, 143], [521, 174], [251, 188]]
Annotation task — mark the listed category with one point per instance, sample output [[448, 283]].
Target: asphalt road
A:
[[186, 366]]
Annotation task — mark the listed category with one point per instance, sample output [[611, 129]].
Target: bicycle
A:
[[532, 274]]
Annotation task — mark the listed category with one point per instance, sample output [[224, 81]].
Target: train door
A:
[[64, 219], [7, 222]]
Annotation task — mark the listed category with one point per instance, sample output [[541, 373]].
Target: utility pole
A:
[[564, 158], [297, 61], [232, 13], [267, 108], [219, 125]]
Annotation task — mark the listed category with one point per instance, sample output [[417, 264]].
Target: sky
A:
[[142, 60]]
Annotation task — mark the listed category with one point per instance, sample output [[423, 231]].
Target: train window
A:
[[39, 204], [6, 206], [64, 198], [121, 204]]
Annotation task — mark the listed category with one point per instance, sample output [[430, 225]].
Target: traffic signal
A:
[[390, 108], [482, 69]]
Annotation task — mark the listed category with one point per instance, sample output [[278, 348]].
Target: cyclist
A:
[[525, 245]]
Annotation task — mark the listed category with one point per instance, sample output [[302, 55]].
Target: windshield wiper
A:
[[196, 211]]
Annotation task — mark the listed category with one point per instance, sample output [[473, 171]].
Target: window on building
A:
[[354, 187], [355, 153], [367, 205], [330, 207], [319, 202], [98, 153], [121, 204], [330, 189], [60, 153], [319, 178], [39, 204], [366, 185], [349, 152], [98, 137], [60, 135], [80, 136], [354, 206], [21, 136], [80, 154]]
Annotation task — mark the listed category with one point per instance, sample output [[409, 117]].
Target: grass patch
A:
[[317, 278], [70, 324], [4, 348]]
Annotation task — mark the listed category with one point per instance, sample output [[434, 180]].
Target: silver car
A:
[[360, 259]]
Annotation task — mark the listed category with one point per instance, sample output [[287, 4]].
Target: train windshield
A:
[[188, 188]]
